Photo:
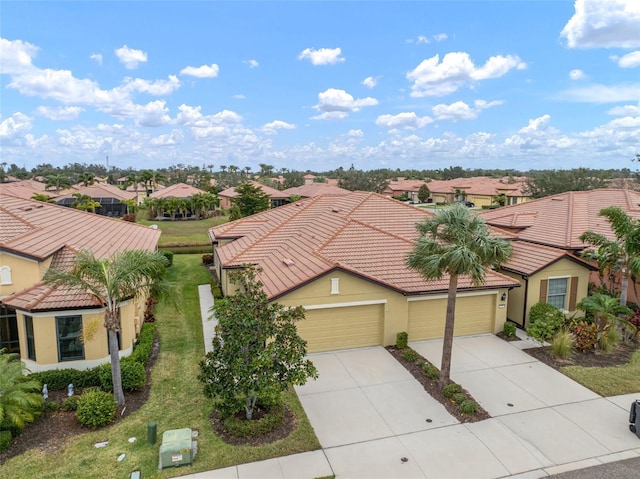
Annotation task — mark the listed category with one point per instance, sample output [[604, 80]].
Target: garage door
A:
[[474, 315], [342, 328]]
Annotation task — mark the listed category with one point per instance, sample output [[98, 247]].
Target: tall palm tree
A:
[[458, 243], [58, 182], [87, 178], [85, 202], [621, 255], [605, 310], [125, 275], [20, 398]]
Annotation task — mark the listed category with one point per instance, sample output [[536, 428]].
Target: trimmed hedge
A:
[[169, 255], [402, 340], [134, 375], [144, 344], [96, 409], [59, 379]]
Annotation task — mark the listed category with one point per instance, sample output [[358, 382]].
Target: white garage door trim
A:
[[445, 296], [345, 305]]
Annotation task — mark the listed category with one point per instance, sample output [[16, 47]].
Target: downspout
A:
[[526, 297]]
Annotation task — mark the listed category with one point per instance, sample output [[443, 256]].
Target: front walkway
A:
[[373, 422]]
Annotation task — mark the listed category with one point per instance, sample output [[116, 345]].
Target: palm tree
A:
[[20, 398], [605, 309], [87, 178], [125, 275], [45, 198], [621, 255], [455, 242], [85, 202], [58, 182]]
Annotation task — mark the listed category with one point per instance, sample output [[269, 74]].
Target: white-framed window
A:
[[5, 275], [335, 285], [557, 290]]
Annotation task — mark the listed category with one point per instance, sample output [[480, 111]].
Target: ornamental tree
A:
[[257, 352]]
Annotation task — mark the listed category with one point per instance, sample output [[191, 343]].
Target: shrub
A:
[[562, 345], [509, 329], [12, 428], [409, 355], [130, 217], [134, 375], [545, 321], [450, 389], [70, 403], [402, 340], [431, 371], [169, 255], [585, 335], [609, 339], [149, 310], [144, 344], [96, 408], [50, 406], [468, 407], [207, 259], [5, 440], [241, 427], [59, 379], [459, 398]]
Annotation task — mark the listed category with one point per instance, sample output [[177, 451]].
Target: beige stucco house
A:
[[343, 259], [45, 325]]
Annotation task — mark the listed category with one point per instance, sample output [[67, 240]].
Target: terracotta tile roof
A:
[[101, 191], [272, 192], [310, 190], [363, 233], [559, 220], [479, 185], [40, 229], [23, 189], [179, 190], [529, 258]]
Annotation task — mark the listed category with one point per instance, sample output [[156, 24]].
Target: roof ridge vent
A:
[[335, 210], [288, 261]]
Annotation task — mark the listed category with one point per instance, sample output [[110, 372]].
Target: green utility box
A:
[[176, 448]]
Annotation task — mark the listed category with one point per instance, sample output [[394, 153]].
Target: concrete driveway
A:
[[374, 420]]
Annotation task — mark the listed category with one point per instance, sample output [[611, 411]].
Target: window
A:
[[5, 275], [9, 330], [31, 344], [335, 285], [69, 330], [557, 292]]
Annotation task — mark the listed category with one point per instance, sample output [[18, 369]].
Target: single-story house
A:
[[111, 198], [546, 251], [277, 197], [344, 259], [45, 325], [309, 190]]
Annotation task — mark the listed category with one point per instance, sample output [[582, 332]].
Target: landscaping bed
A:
[[433, 388], [619, 356]]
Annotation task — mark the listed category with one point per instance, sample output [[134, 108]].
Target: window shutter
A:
[[573, 293], [543, 291]]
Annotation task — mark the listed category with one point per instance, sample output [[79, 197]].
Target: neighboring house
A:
[[277, 197], [46, 325], [179, 190], [24, 189], [309, 190], [344, 259], [480, 190], [111, 198], [546, 258]]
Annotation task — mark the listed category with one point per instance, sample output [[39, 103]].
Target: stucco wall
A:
[[24, 273]]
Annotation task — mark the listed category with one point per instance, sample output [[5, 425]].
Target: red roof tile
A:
[[363, 233], [179, 190], [529, 258]]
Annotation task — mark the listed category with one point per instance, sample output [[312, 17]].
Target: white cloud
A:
[[322, 56], [577, 74], [97, 57], [461, 111], [604, 24], [16, 56], [440, 37], [204, 71], [370, 82], [157, 87], [273, 127], [434, 78], [356, 133], [239, 96], [60, 113], [630, 60], [408, 120], [154, 113], [130, 58], [188, 114], [337, 104], [14, 127], [251, 63], [170, 139], [625, 110], [603, 93]]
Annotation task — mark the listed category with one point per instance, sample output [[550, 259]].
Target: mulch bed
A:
[[50, 431], [433, 388], [619, 356], [287, 426]]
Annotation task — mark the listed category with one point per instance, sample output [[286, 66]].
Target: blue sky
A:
[[319, 85]]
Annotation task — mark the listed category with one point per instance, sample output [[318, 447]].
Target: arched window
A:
[[5, 275]]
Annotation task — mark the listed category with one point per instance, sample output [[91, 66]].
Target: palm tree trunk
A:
[[116, 374], [624, 288], [447, 343]]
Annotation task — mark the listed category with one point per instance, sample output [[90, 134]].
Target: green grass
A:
[[611, 381], [176, 401], [175, 233]]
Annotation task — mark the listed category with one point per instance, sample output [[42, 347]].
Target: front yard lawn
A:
[[190, 232], [176, 401], [608, 381]]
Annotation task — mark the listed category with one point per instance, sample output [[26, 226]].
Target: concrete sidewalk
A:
[[373, 422]]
